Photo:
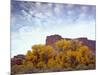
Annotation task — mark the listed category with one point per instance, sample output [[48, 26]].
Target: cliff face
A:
[[50, 40], [90, 43]]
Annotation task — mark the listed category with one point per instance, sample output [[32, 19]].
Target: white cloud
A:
[[58, 9], [84, 9], [70, 6]]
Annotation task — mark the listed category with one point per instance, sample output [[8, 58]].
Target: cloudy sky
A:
[[31, 22]]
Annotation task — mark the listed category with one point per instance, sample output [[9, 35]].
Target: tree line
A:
[[64, 55]]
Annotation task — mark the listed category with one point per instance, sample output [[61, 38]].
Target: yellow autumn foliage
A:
[[65, 54]]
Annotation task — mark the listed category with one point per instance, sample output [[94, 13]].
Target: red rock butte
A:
[[50, 40]]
